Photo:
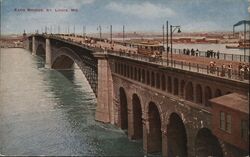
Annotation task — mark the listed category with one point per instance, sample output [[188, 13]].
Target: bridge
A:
[[166, 104]]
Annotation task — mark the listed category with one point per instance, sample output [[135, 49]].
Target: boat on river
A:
[[242, 45]]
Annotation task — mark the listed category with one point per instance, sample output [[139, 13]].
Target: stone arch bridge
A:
[[168, 108]]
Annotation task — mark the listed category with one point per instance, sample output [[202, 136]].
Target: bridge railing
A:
[[215, 55], [188, 66]]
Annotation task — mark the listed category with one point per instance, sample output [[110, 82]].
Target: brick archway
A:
[[137, 117], [206, 144], [123, 112], [189, 92], [176, 137], [155, 134], [198, 94], [208, 95]]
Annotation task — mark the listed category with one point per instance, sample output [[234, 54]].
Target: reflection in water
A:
[[49, 112]]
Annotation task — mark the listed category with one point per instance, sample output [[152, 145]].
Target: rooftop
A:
[[234, 101]]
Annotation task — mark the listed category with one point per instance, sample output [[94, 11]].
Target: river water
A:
[[49, 112]]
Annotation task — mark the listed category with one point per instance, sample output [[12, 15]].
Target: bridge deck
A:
[[179, 61]]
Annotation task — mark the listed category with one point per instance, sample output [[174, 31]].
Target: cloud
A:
[[142, 10]]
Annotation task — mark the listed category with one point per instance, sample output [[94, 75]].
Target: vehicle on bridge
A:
[[151, 49]]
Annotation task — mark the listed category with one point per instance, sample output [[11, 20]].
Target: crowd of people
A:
[[208, 53], [223, 71], [191, 52], [227, 70], [212, 54]]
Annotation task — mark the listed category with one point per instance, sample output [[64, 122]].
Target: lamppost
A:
[[167, 40], [172, 29]]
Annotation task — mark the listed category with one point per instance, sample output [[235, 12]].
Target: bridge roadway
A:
[[167, 105], [197, 64]]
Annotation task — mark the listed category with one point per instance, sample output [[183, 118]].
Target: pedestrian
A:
[[223, 70], [192, 52], [229, 70], [242, 73], [211, 66], [245, 71], [214, 67], [197, 52], [239, 67], [218, 54], [214, 54], [188, 51]]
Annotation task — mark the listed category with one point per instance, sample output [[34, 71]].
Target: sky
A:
[[136, 15]]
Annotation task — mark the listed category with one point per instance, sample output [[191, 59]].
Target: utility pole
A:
[[171, 42], [163, 34], [111, 33], [123, 33], [74, 31], [244, 42], [82, 31], [100, 31], [167, 40]]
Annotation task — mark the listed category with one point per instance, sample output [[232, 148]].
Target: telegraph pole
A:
[[74, 31], [163, 34], [111, 33], [123, 33], [100, 31], [167, 40]]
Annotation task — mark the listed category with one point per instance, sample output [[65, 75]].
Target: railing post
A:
[[232, 57], [181, 64], [197, 67], [217, 69], [224, 56], [189, 66], [207, 70]]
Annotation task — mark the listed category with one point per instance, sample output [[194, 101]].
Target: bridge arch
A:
[[208, 95], [163, 82], [137, 117], [152, 79], [155, 134], [176, 136], [217, 93], [198, 94], [189, 91], [139, 75], [64, 58], [135, 73], [143, 76], [176, 86], [148, 77], [169, 86], [40, 51], [182, 88], [123, 111], [131, 72], [207, 144]]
